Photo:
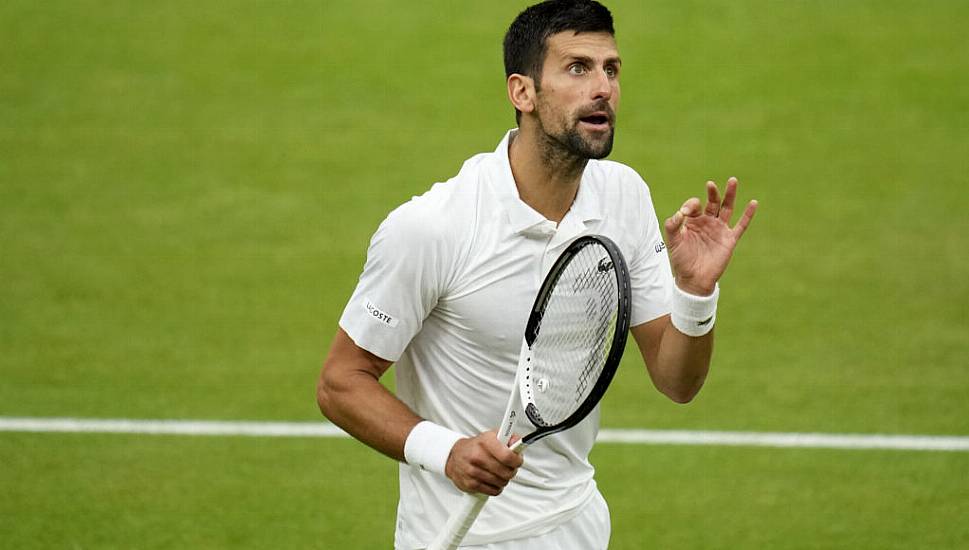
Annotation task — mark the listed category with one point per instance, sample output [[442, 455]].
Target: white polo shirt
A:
[[445, 293]]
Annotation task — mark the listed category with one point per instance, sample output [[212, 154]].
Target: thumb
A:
[[675, 222]]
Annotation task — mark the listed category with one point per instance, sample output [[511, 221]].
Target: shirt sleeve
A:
[[399, 286], [651, 278]]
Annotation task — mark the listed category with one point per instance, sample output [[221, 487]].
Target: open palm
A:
[[701, 241]]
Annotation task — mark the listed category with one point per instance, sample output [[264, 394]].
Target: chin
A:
[[599, 150], [595, 145]]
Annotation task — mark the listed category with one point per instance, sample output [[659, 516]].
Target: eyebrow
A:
[[589, 61]]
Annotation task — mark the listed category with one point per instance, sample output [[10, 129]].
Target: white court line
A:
[[775, 439], [640, 437]]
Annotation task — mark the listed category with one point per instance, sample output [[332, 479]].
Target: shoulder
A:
[[444, 205], [440, 218]]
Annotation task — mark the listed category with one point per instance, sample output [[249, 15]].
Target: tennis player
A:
[[450, 277]]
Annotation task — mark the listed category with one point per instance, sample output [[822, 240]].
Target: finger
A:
[[713, 199], [476, 486], [729, 197], [744, 220], [483, 474], [502, 472], [488, 479], [503, 455], [489, 462], [691, 208], [673, 223]]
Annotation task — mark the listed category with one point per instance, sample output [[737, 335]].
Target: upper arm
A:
[[345, 362], [404, 275], [650, 276], [345, 355]]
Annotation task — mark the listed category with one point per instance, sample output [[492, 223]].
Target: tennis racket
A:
[[574, 339]]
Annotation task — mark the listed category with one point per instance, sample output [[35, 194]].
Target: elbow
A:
[[325, 394], [685, 393], [681, 397]]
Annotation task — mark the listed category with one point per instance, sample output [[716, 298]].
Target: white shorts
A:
[[588, 530]]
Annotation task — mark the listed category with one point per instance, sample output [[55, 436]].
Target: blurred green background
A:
[[187, 191]]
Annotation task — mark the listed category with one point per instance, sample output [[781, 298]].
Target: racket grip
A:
[[459, 522]]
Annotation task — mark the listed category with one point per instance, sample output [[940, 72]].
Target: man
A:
[[450, 277]]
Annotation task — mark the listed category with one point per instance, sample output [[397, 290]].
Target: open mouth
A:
[[598, 121]]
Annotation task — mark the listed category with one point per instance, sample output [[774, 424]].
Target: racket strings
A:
[[575, 336]]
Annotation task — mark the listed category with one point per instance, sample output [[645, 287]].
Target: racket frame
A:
[[532, 330], [464, 515]]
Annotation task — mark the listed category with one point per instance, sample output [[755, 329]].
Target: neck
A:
[[547, 176]]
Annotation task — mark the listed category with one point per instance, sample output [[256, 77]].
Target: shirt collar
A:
[[521, 217]]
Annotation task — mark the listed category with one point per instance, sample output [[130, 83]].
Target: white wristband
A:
[[429, 446], [694, 315]]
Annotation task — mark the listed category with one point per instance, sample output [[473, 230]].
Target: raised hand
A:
[[701, 241]]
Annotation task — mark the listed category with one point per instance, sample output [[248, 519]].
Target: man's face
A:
[[579, 93]]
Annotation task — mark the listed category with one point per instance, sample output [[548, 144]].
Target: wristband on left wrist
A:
[[694, 315]]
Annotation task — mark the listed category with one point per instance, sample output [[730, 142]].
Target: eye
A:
[[612, 71], [577, 69]]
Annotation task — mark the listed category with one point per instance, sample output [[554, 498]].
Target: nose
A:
[[602, 86]]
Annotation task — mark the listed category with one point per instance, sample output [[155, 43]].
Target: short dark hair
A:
[[526, 41]]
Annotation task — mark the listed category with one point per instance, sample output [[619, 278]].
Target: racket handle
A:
[[463, 517], [460, 521]]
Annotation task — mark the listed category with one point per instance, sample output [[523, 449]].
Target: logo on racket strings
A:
[[605, 264]]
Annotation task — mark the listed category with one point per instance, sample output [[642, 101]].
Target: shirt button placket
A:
[[548, 258]]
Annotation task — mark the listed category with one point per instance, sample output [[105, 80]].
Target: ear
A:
[[521, 92]]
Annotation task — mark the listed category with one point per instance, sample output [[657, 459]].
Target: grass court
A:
[[187, 191]]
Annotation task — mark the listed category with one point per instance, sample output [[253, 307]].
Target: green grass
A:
[[187, 191], [121, 491], [107, 491], [792, 499]]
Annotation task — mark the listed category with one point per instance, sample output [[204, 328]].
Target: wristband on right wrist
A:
[[694, 315], [429, 445]]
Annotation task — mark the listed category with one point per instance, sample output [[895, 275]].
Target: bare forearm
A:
[[677, 363], [350, 394], [370, 413], [682, 363]]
